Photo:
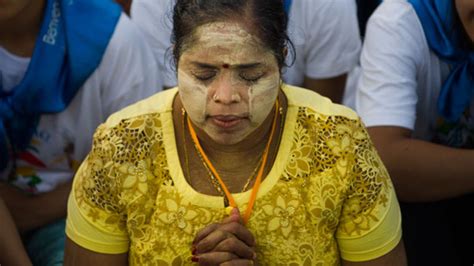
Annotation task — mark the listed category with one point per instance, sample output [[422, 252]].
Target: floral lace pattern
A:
[[333, 184]]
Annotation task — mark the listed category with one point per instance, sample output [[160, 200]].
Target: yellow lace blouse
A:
[[327, 195]]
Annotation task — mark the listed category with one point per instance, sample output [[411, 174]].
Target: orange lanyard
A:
[[258, 180]]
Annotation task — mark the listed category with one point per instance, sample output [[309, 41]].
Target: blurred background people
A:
[[64, 67], [12, 251], [415, 96], [326, 48]]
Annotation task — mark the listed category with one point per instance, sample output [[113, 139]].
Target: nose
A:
[[225, 91]]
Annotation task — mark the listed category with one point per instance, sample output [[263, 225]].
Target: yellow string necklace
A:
[[258, 180]]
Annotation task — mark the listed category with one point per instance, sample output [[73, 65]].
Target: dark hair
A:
[[266, 17]]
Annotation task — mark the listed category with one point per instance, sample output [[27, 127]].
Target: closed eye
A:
[[251, 77], [204, 75]]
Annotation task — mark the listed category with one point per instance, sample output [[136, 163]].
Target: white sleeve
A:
[[127, 71], [391, 56], [333, 41], [155, 19], [126, 74]]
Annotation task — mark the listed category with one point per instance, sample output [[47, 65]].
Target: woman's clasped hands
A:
[[226, 243]]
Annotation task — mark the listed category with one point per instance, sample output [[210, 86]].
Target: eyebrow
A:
[[238, 66]]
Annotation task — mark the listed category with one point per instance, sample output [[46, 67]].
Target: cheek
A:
[[193, 96], [262, 98]]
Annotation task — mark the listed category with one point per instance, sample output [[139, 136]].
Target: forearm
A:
[[12, 251], [33, 211], [333, 88], [424, 171]]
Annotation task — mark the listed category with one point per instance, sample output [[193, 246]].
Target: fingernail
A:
[[194, 251], [194, 259], [254, 255]]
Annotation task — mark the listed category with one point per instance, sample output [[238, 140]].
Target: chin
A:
[[226, 138]]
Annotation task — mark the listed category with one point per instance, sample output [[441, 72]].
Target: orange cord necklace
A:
[[258, 179]]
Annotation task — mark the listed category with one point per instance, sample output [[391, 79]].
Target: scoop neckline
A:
[[189, 194]]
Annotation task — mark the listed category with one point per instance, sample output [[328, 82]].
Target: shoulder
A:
[[394, 31], [126, 50], [151, 7], [126, 36], [300, 97], [159, 103], [322, 10], [153, 16], [398, 13], [320, 5]]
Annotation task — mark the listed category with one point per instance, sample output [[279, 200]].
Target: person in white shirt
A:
[[63, 71], [415, 97], [324, 33]]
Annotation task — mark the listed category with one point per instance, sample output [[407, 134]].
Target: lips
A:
[[226, 121]]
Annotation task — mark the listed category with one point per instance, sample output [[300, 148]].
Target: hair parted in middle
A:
[[266, 18]]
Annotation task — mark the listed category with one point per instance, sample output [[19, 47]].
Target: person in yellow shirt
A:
[[233, 167]]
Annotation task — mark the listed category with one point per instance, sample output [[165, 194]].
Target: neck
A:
[[231, 159], [18, 34], [249, 150]]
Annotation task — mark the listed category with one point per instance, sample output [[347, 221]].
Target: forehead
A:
[[227, 41], [223, 33]]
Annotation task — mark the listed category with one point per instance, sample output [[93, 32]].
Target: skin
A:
[[28, 211], [20, 23], [228, 84], [227, 103], [230, 243], [12, 251], [333, 88], [423, 171], [126, 5], [465, 9]]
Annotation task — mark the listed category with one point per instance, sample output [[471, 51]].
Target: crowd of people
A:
[[236, 132]]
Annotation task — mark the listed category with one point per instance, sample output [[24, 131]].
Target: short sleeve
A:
[[333, 47], [370, 222], [96, 217], [391, 57], [127, 74]]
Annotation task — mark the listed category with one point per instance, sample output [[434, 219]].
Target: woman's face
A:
[[465, 9], [228, 81]]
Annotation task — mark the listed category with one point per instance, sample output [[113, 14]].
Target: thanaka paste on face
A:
[[193, 96], [226, 45]]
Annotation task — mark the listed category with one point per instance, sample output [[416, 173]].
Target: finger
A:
[[230, 230], [205, 232], [238, 262], [212, 240], [214, 258], [234, 216], [237, 247], [240, 231]]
